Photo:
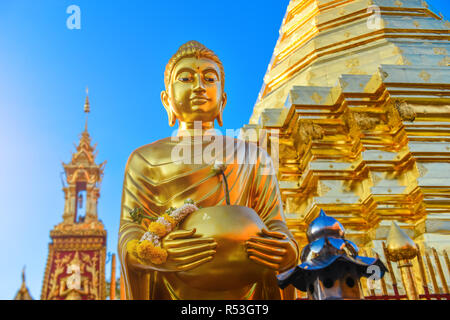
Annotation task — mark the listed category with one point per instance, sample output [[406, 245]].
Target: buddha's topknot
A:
[[192, 49]]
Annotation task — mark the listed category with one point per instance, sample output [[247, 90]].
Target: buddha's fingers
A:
[[185, 251], [270, 242], [194, 257], [180, 234], [273, 234], [265, 257], [265, 248], [265, 263], [180, 243], [195, 264]]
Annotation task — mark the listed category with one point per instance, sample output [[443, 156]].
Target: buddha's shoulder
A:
[[155, 153]]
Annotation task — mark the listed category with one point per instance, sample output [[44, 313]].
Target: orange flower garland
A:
[[149, 248]]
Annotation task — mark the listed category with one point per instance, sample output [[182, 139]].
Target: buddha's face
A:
[[194, 92]]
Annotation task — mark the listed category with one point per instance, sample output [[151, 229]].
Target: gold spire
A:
[[86, 103], [87, 108], [399, 245], [23, 293]]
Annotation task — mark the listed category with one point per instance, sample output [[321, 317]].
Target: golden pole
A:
[[432, 275], [112, 287], [391, 270], [409, 282], [401, 249], [422, 273], [447, 262], [441, 272], [383, 283]]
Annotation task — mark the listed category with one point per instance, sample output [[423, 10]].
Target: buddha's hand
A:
[[188, 250], [273, 250]]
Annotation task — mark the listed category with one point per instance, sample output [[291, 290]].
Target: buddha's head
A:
[[194, 80]]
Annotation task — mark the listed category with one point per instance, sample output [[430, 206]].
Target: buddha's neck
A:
[[195, 128]]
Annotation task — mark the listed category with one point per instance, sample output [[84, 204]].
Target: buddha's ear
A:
[[222, 106], [166, 103]]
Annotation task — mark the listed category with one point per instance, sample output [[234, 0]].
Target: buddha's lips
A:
[[199, 101], [200, 98]]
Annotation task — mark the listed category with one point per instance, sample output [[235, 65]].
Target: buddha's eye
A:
[[185, 77], [210, 77]]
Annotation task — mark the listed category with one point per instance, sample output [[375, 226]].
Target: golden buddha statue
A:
[[221, 251]]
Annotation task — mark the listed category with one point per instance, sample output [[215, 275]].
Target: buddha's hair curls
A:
[[192, 49]]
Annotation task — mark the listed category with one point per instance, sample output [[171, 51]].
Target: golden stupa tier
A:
[[371, 149], [323, 39], [362, 104]]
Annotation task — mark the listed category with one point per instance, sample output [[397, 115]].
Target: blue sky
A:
[[120, 53]]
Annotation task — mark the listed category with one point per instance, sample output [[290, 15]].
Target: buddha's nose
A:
[[199, 86]]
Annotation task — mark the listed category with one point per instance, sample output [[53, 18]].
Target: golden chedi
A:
[[230, 248]]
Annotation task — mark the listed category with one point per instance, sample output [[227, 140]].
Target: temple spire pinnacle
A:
[[23, 293], [87, 108]]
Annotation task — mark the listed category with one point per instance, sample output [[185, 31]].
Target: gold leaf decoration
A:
[[351, 63], [444, 62], [316, 97], [442, 51], [422, 169], [323, 189], [376, 179], [424, 75]]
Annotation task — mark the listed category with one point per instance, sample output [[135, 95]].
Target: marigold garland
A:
[[149, 248], [157, 228]]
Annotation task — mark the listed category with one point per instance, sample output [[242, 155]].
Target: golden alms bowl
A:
[[230, 268]]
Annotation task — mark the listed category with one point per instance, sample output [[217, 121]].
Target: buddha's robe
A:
[[155, 181]]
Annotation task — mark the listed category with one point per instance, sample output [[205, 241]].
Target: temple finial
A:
[[399, 244], [23, 274], [86, 103], [87, 108]]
